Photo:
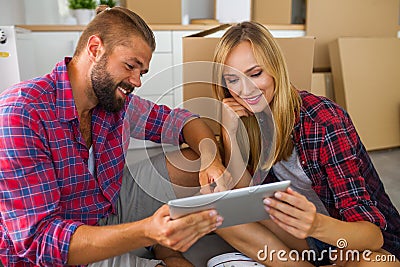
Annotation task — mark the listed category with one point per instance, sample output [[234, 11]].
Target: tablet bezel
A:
[[236, 206]]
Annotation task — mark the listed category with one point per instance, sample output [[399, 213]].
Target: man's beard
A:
[[105, 88]]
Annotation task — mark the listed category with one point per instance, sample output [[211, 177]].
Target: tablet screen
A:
[[236, 206]]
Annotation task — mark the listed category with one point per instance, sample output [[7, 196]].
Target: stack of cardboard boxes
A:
[[357, 45]]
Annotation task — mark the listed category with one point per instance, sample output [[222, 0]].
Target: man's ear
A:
[[95, 48]]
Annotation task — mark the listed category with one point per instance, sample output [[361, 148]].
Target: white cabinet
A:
[[162, 84], [164, 79], [163, 41], [159, 79], [52, 47]]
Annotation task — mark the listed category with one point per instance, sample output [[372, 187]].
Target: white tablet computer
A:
[[236, 206]]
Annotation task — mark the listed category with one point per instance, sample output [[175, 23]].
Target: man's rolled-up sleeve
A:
[[157, 123]]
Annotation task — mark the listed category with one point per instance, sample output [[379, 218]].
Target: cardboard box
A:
[[321, 84], [157, 11], [328, 20], [365, 77], [197, 76], [272, 11]]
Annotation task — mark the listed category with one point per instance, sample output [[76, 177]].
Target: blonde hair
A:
[[285, 105]]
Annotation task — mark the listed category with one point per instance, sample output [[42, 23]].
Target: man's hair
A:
[[115, 26]]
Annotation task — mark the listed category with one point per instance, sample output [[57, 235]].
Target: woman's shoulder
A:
[[321, 109]]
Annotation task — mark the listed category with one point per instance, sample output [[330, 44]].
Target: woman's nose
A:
[[247, 87]]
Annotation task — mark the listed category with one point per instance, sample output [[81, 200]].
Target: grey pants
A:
[[145, 188]]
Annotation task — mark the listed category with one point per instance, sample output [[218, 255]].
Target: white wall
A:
[[42, 12], [197, 9], [12, 12], [201, 9]]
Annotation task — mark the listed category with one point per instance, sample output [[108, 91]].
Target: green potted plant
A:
[[110, 3], [83, 10], [82, 4]]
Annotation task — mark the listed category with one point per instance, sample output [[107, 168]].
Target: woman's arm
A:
[[234, 161], [359, 235], [231, 113], [343, 158], [296, 215]]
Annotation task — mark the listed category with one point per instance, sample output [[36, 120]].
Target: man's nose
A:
[[135, 78]]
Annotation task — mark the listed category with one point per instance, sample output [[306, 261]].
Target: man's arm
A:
[[94, 243], [201, 139]]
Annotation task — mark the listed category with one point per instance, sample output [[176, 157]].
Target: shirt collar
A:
[[65, 103]]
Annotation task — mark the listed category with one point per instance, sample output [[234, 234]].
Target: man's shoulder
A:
[[30, 92]]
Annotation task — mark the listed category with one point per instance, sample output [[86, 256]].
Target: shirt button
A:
[[303, 162]]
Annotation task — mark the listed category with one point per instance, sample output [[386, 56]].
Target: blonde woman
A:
[[336, 194]]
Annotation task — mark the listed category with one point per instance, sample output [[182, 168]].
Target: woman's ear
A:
[[95, 48]]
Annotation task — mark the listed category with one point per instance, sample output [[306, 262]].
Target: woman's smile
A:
[[252, 100]]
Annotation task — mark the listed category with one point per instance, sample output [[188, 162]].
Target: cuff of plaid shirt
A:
[[368, 213]]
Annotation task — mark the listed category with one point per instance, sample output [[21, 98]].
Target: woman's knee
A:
[[183, 167]]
